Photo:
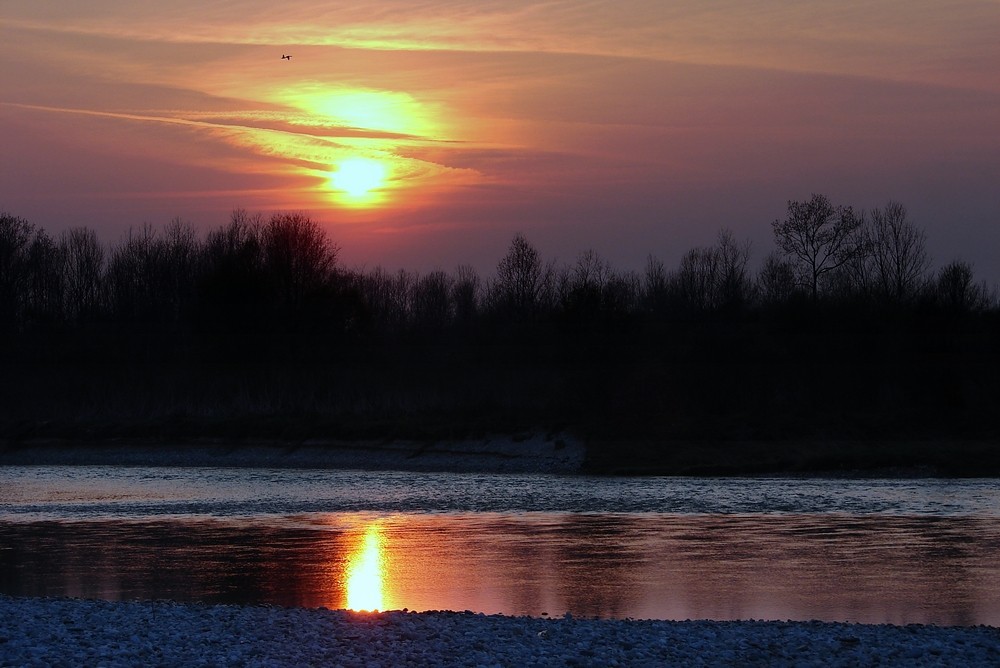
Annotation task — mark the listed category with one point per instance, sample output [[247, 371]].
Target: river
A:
[[895, 551]]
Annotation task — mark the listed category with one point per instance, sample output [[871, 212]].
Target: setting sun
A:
[[359, 182], [358, 176], [368, 147]]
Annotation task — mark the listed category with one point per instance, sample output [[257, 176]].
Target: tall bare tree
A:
[[299, 258], [389, 296], [520, 278], [957, 289], [45, 278], [655, 285], [179, 264], [131, 277], [697, 280], [897, 253], [582, 287], [83, 268], [733, 281], [15, 239], [465, 293], [775, 280], [231, 283], [432, 302], [819, 238]]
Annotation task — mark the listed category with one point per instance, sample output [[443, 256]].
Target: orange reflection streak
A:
[[364, 574]]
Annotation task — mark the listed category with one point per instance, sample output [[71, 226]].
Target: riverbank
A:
[[885, 458], [86, 632], [526, 453], [535, 452]]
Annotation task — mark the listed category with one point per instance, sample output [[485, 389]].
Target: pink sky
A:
[[627, 127]]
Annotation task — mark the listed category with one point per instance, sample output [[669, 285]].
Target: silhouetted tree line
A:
[[844, 330], [283, 272]]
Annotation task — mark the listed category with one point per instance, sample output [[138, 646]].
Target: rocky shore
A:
[[71, 632]]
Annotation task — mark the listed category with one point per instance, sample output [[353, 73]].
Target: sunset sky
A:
[[425, 134]]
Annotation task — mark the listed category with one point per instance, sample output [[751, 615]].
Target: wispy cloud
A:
[[288, 143], [925, 40], [510, 112]]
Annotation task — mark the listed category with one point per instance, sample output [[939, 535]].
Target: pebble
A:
[[85, 632]]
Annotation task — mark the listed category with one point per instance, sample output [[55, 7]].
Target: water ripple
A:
[[100, 492]]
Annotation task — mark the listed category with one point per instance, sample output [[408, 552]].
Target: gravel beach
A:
[[73, 632]]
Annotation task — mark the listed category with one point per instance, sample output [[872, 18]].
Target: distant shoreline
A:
[[535, 453], [511, 454]]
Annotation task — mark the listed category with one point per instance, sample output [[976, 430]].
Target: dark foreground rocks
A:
[[70, 632]]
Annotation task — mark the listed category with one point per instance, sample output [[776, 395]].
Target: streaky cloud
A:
[[891, 39]]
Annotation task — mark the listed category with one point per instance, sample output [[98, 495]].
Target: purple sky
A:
[[425, 135]]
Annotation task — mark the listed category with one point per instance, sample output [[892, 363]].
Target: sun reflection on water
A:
[[365, 573]]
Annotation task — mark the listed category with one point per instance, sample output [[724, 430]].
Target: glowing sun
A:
[[357, 177]]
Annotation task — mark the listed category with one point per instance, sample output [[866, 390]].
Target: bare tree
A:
[[44, 298], [465, 293], [897, 253], [432, 304], [520, 279], [581, 288], [714, 277], [179, 264], [655, 285], [390, 298], [957, 290], [775, 280], [83, 267], [231, 281], [236, 248], [132, 269], [733, 281], [697, 279], [299, 259], [819, 238], [591, 270], [621, 294], [15, 238]]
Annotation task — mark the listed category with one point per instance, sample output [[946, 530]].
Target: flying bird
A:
[[284, 57]]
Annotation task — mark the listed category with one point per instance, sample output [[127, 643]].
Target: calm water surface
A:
[[897, 551]]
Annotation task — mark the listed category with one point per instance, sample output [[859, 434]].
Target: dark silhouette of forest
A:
[[845, 336]]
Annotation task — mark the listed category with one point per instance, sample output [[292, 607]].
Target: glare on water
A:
[[364, 577], [918, 551]]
